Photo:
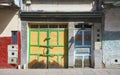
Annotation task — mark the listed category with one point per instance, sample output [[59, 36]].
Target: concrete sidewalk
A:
[[60, 72]]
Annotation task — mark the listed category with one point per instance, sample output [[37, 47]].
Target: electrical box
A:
[[12, 60], [12, 54]]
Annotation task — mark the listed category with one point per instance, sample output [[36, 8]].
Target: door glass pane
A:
[[78, 26], [34, 26], [43, 38], [53, 38], [62, 37], [87, 37], [62, 26], [43, 26], [78, 38], [53, 26], [34, 38], [82, 50]]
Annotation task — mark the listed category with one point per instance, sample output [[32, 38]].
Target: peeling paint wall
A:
[[111, 38]]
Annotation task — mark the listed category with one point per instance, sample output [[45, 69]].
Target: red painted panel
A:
[[4, 42], [19, 48]]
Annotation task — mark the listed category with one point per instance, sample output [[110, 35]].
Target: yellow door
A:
[[58, 49], [48, 48], [37, 53]]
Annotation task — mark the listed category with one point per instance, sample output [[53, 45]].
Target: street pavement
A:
[[73, 71]]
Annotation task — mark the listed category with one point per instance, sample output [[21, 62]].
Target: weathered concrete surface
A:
[[9, 21], [97, 45], [98, 59], [60, 6], [112, 19], [24, 42], [111, 38], [71, 62], [60, 72]]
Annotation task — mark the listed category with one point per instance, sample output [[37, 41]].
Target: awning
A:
[[62, 16]]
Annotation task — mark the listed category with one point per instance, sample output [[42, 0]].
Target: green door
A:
[[48, 48]]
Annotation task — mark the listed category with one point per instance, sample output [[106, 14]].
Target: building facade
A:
[[60, 34], [67, 34], [10, 27]]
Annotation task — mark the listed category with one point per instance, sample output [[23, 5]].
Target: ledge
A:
[[61, 16]]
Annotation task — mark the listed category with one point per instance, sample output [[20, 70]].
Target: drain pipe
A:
[[99, 5]]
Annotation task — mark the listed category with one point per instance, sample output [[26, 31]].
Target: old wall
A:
[[71, 62], [4, 42], [97, 36], [24, 41], [9, 21], [58, 5], [111, 38]]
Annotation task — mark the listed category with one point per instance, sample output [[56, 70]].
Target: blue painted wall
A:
[[111, 45]]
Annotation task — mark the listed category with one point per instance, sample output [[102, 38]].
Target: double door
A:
[[48, 48], [83, 47]]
